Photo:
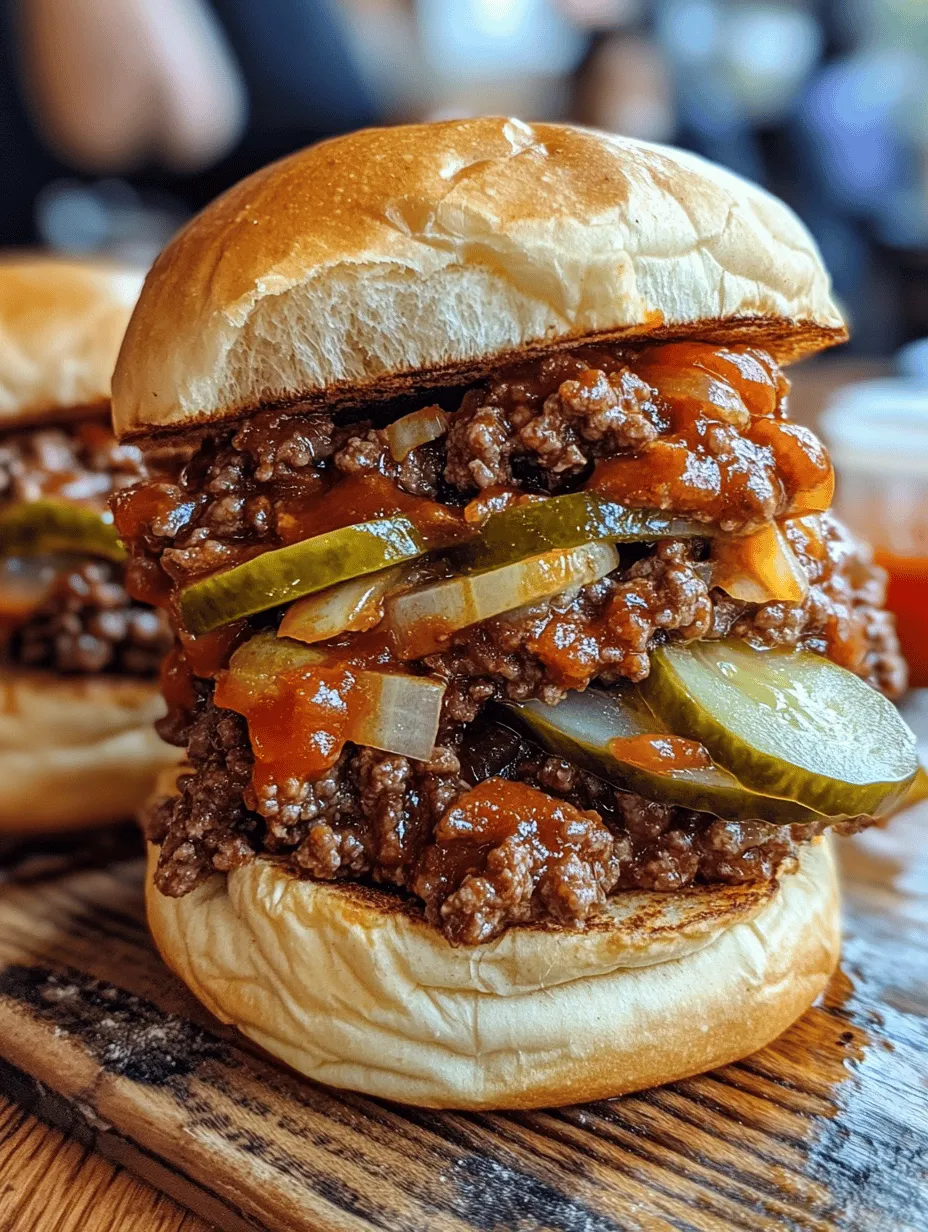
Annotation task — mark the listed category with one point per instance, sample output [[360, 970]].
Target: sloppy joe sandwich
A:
[[79, 659], [521, 669]]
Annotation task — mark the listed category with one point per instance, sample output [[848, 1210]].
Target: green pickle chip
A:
[[591, 728], [38, 528], [787, 723], [569, 522], [285, 574]]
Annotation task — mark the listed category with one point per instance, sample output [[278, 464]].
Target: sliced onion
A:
[[713, 393], [417, 429], [25, 584], [759, 568], [403, 714], [423, 619], [350, 607]]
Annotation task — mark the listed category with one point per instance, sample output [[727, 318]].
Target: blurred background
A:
[[119, 118]]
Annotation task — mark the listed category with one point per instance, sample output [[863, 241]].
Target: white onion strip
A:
[[392, 712], [759, 568], [349, 607], [403, 714], [423, 619], [417, 429]]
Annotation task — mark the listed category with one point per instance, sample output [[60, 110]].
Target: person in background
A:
[[176, 98]]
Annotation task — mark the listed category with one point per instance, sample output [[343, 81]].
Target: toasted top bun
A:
[[61, 323], [352, 987], [375, 264]]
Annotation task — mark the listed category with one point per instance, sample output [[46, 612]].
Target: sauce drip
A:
[[748, 372], [298, 720], [208, 653], [497, 810], [661, 754], [730, 455], [363, 498], [177, 687]]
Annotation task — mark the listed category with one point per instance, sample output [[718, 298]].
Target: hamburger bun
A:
[[382, 264], [76, 751], [375, 264], [61, 322], [350, 986]]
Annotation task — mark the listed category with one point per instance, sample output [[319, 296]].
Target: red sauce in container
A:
[[907, 599], [877, 432]]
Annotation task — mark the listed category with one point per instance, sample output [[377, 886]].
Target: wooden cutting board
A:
[[826, 1129]]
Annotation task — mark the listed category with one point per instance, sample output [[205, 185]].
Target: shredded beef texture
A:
[[78, 461], [89, 624], [387, 818]]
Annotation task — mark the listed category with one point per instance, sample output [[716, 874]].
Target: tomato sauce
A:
[[364, 498], [298, 721], [729, 453], [661, 754], [747, 371], [907, 598], [497, 810]]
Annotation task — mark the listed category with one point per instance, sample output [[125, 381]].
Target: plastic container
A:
[[877, 433]]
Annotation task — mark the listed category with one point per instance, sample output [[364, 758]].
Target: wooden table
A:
[[826, 1130], [49, 1183]]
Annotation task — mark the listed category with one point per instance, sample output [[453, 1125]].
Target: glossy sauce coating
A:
[[695, 430], [299, 721], [363, 498], [661, 753], [729, 456], [497, 812]]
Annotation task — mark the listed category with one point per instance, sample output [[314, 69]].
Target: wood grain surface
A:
[[826, 1129], [52, 1183]]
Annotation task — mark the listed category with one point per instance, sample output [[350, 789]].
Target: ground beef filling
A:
[[382, 816], [541, 427], [90, 624], [86, 621], [546, 428], [80, 461]]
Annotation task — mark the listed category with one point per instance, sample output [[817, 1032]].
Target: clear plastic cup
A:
[[877, 433]]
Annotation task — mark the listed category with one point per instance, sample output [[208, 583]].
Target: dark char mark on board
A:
[[130, 1037], [126, 1034], [495, 1197]]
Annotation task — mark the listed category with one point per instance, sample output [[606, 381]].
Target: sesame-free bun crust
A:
[[76, 751], [61, 323], [377, 264], [351, 987]]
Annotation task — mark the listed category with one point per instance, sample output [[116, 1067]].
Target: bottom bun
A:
[[76, 751], [350, 986]]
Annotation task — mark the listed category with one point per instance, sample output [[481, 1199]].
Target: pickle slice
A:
[[786, 723], [284, 574], [38, 528], [597, 731], [569, 522]]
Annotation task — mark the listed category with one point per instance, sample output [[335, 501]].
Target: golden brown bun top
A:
[[61, 323], [377, 263]]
